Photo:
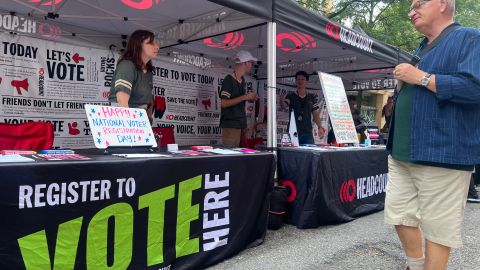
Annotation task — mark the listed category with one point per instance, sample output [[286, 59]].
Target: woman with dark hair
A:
[[133, 82]]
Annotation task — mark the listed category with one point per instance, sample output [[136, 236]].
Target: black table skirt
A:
[[329, 187], [145, 213]]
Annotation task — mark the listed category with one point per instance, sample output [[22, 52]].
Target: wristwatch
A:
[[425, 80]]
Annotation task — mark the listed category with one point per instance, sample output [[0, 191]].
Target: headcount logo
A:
[[26, 25], [41, 81], [295, 42], [231, 41], [108, 235], [348, 191], [349, 37], [363, 188]]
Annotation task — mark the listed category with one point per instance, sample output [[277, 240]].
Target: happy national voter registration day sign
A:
[[118, 126]]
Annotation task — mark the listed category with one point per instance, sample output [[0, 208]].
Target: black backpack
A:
[[278, 207]]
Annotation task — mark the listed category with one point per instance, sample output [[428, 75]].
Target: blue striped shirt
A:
[[445, 126]]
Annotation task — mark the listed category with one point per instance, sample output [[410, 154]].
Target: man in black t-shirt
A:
[[303, 105], [232, 94]]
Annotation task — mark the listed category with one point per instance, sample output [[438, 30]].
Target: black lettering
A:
[[185, 129]]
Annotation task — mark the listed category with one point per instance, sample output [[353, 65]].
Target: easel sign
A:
[[119, 127], [338, 109]]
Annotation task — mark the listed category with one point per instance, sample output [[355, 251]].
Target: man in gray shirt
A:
[[233, 96]]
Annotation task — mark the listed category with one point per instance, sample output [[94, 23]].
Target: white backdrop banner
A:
[[186, 98], [49, 81]]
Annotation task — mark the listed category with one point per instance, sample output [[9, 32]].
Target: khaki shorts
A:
[[431, 197], [231, 136]]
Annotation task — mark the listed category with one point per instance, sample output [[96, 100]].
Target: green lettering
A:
[[34, 250], [97, 237], [34, 247], [155, 202], [185, 215]]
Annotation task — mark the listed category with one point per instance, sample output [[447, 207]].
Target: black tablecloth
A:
[[145, 213], [328, 187]]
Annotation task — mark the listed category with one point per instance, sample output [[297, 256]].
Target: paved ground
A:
[[364, 244]]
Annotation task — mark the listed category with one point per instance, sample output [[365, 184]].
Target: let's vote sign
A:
[[118, 126]]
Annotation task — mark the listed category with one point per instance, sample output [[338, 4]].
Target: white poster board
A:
[[118, 126], [338, 109], [292, 130]]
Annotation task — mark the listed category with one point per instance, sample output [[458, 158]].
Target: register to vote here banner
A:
[[132, 213]]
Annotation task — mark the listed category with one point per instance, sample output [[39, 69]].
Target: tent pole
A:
[[272, 86]]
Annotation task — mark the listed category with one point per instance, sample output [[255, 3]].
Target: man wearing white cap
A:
[[233, 97]]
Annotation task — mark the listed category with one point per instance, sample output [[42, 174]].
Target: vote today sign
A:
[[119, 126]]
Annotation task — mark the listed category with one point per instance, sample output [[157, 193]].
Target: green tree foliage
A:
[[467, 13], [387, 20], [393, 26], [312, 4]]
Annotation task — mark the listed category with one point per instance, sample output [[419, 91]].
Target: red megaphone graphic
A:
[[72, 128], [20, 84], [207, 103]]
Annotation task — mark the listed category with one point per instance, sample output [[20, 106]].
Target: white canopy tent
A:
[[283, 35]]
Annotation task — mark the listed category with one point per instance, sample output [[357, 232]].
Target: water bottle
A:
[[368, 141]]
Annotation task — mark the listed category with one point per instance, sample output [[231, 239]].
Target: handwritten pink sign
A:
[[118, 126]]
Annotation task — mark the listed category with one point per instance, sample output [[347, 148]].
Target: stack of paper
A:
[[14, 158]]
